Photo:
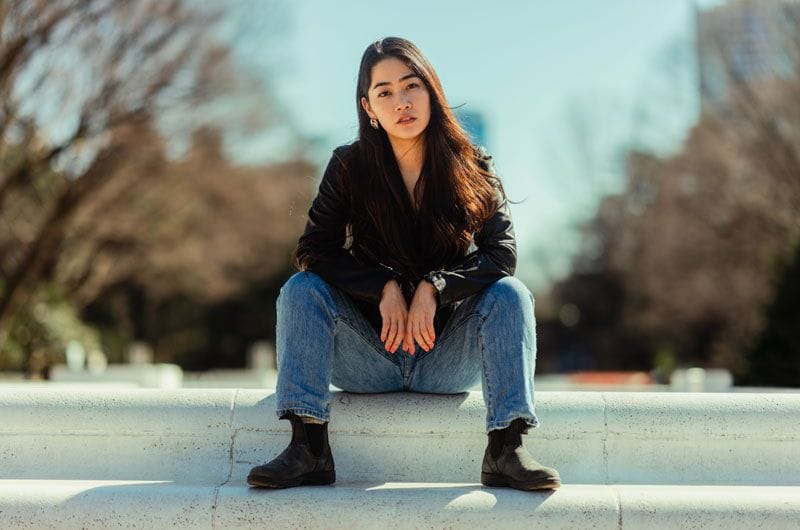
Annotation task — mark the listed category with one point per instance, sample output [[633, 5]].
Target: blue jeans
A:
[[322, 338]]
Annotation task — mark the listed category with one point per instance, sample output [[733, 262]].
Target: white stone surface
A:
[[611, 437], [121, 434], [428, 437], [150, 458], [689, 438], [395, 505], [41, 504], [709, 507], [207, 436]]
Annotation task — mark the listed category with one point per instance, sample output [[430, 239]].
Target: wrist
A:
[[427, 283], [431, 287], [428, 286]]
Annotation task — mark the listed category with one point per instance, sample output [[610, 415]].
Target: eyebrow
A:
[[382, 83]]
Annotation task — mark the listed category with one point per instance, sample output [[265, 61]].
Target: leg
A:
[[491, 336], [322, 338], [493, 333]]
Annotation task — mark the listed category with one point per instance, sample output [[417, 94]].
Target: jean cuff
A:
[[303, 412], [531, 421]]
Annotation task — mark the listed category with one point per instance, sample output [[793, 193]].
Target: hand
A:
[[419, 323], [394, 312]]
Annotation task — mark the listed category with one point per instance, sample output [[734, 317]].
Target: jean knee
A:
[[512, 289], [300, 286], [301, 282]]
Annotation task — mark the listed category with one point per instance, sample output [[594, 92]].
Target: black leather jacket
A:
[[493, 255]]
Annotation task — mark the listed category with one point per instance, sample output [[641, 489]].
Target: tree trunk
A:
[[25, 275]]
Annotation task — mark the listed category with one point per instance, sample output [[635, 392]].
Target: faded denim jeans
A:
[[323, 338]]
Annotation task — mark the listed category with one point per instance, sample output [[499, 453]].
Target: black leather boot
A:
[[306, 461], [507, 463]]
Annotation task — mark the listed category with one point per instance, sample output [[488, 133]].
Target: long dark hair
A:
[[456, 192]]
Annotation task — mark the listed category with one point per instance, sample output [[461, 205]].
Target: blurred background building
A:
[[744, 40]]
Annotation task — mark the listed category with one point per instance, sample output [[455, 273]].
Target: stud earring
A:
[[374, 123]]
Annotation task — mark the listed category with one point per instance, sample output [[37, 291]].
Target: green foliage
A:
[[41, 329], [775, 359], [664, 363]]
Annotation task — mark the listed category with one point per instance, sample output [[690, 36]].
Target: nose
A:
[[404, 103]]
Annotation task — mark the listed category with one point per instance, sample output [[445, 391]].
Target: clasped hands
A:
[[408, 324]]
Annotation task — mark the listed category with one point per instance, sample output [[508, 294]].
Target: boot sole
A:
[[319, 478], [494, 480]]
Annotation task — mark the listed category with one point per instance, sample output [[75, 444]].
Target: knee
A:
[[511, 290], [300, 285]]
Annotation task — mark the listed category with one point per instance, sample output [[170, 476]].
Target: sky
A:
[[561, 86]]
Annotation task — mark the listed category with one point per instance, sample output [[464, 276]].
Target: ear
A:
[[365, 105]]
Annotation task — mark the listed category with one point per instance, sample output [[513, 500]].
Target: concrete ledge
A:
[[115, 410], [149, 504], [211, 437], [40, 504], [122, 434], [470, 505]]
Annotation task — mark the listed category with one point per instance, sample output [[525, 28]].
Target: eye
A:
[[413, 85], [382, 93]]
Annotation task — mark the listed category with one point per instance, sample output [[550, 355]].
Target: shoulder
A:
[[344, 158], [483, 158], [338, 172], [346, 151], [338, 160]]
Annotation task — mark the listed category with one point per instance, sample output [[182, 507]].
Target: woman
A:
[[409, 243]]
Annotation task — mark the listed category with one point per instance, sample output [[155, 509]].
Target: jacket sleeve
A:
[[494, 258], [322, 244]]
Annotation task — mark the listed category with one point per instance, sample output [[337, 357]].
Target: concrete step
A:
[[112, 457], [214, 436], [376, 504]]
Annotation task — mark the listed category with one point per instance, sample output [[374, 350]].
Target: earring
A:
[[374, 123]]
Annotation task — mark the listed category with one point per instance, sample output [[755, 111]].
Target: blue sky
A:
[[533, 68]]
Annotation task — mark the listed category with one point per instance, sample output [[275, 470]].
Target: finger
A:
[[408, 345], [392, 334], [400, 335], [431, 331], [408, 340], [423, 342], [424, 333], [426, 328], [384, 329], [416, 336], [397, 341]]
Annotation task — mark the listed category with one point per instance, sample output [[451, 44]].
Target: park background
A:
[[158, 158]]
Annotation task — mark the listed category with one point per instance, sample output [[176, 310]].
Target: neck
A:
[[410, 155]]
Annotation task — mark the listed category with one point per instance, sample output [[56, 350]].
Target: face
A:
[[394, 92]]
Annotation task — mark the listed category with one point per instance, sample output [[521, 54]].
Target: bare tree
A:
[[697, 237], [83, 86], [129, 54]]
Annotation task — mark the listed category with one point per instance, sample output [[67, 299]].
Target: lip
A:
[[411, 119]]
